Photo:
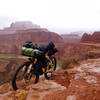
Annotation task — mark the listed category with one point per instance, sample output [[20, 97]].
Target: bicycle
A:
[[24, 74]]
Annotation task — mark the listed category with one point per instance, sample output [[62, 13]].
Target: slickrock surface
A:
[[81, 82]]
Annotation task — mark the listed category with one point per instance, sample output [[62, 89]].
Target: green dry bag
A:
[[29, 51]]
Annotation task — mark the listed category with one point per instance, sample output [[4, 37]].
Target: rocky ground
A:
[[81, 82]]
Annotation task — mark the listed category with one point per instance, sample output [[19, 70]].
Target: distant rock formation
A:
[[86, 37], [95, 37], [23, 25], [12, 43], [71, 38]]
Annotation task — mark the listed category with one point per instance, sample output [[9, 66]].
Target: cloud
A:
[[5, 21], [53, 13]]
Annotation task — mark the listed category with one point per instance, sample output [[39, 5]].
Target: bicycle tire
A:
[[14, 85], [48, 77]]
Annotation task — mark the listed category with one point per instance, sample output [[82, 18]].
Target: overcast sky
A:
[[57, 15]]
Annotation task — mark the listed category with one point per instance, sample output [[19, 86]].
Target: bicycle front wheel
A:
[[21, 78]]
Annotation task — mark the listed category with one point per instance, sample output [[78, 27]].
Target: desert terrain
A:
[[78, 65], [80, 82]]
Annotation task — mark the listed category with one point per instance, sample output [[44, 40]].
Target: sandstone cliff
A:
[[13, 37], [71, 38], [11, 43], [95, 37], [22, 25]]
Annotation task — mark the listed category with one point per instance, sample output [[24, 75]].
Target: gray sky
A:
[[57, 15]]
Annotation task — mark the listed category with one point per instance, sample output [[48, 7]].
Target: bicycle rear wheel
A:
[[52, 67]]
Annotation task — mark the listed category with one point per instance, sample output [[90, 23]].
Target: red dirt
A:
[[79, 83]]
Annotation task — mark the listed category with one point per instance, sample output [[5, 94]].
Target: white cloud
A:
[[54, 13]]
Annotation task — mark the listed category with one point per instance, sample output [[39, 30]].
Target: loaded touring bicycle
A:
[[41, 61]]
